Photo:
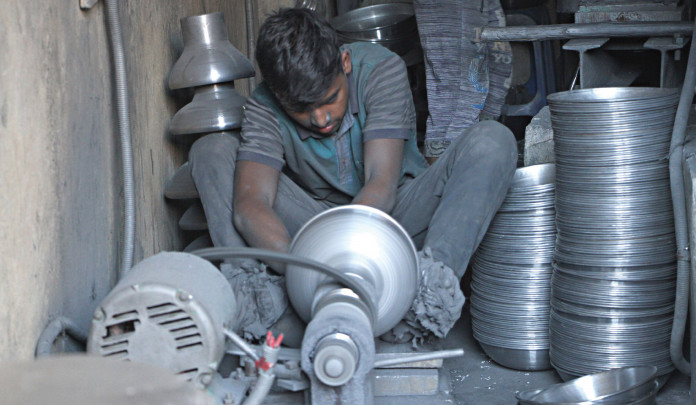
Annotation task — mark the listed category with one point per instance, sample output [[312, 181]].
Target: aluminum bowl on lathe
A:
[[364, 243]]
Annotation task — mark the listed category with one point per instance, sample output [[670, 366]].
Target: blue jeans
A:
[[448, 207]]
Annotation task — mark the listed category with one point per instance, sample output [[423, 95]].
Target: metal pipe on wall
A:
[[251, 41], [119, 64], [589, 30], [680, 217], [54, 329], [62, 324]]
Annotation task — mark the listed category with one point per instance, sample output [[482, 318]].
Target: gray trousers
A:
[[447, 208]]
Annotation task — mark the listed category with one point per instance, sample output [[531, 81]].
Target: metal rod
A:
[[590, 30], [242, 344], [442, 354], [251, 41]]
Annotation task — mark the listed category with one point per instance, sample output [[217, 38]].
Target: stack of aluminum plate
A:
[[512, 272], [614, 274]]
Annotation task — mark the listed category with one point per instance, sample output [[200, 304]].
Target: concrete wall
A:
[[60, 168]]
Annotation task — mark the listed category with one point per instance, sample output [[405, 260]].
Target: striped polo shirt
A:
[[387, 101]]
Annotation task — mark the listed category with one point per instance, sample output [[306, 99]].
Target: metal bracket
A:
[[668, 77], [597, 67], [87, 4]]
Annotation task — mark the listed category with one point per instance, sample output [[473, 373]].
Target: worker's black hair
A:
[[299, 57]]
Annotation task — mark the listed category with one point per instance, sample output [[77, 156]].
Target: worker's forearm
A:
[[377, 196], [262, 228]]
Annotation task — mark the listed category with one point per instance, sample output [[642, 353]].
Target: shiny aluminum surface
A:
[[392, 25], [518, 359], [620, 385], [510, 288], [217, 107], [318, 6], [614, 262], [379, 22], [612, 96], [364, 243], [208, 56]]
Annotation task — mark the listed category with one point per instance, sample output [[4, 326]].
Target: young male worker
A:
[[336, 125]]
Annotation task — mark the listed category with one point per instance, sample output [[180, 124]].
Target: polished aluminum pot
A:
[[364, 243]]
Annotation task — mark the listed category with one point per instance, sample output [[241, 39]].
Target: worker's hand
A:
[[382, 170], [255, 187]]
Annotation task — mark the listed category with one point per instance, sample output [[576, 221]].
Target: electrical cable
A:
[[62, 324], [54, 329], [220, 253]]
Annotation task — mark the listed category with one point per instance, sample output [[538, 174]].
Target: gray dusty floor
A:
[[474, 379]]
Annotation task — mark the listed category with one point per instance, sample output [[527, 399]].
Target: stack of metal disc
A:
[[614, 263], [512, 272]]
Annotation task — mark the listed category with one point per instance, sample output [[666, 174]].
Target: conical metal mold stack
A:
[[209, 64], [512, 272], [216, 107], [614, 274], [208, 56]]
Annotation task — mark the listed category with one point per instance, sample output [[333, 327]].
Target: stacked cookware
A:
[[613, 283], [510, 288], [209, 64], [392, 25]]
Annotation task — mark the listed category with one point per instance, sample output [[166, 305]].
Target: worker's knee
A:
[[218, 147], [491, 139]]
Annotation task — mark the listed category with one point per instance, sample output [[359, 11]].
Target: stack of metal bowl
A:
[[392, 25], [620, 386], [510, 286], [614, 264]]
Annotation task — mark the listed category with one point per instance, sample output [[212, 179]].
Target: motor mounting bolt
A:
[[205, 378], [229, 399], [183, 296], [99, 315]]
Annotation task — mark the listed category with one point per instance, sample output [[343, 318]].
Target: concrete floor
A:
[[474, 379]]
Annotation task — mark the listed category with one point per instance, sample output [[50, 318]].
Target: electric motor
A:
[[169, 310]]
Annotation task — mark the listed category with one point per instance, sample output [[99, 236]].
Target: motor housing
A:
[[169, 310]]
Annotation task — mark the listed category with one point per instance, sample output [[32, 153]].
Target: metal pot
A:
[[365, 243]]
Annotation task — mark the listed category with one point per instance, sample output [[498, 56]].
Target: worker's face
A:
[[325, 116]]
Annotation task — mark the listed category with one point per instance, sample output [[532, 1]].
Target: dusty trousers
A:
[[447, 208]]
